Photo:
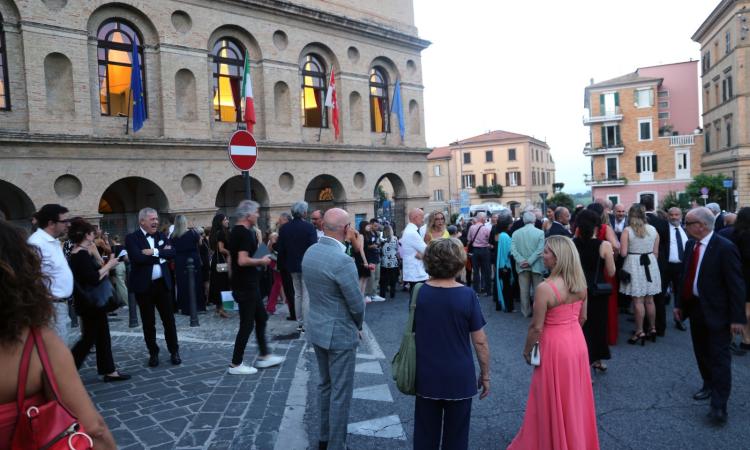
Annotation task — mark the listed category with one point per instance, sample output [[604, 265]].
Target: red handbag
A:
[[50, 425]]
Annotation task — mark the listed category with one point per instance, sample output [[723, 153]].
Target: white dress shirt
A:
[[620, 226], [54, 264], [674, 254], [411, 244], [702, 249], [156, 268], [320, 234]]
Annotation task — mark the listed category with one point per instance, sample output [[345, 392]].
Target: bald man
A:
[[412, 249], [335, 317]]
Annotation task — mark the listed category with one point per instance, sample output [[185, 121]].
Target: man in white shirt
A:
[[677, 240], [412, 249], [53, 222], [317, 220]]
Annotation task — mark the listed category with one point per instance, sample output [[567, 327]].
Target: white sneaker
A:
[[242, 369], [377, 298], [269, 361], [368, 299]]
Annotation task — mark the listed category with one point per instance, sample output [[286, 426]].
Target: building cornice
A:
[[319, 17], [711, 20], [30, 139]]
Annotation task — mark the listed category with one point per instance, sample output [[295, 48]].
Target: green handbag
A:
[[404, 364]]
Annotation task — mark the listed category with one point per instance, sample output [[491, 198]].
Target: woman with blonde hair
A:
[[560, 409], [436, 227], [639, 245]]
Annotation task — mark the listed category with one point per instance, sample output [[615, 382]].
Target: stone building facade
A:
[[63, 139], [644, 133], [724, 38], [440, 179]]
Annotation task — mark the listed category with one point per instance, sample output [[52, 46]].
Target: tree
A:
[[672, 199], [557, 187], [562, 199], [716, 190]]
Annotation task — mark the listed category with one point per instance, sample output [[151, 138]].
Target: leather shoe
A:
[[703, 394], [153, 360], [679, 325], [118, 377], [175, 359], [717, 416]]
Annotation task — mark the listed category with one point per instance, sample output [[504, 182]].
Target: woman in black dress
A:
[[220, 254], [360, 257], [595, 254], [741, 238], [94, 325], [185, 241]]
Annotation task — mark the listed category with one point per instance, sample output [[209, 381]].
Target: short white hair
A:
[[705, 216], [529, 217], [714, 208], [299, 209], [142, 214], [245, 208]]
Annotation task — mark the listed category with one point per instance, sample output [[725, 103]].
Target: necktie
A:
[[687, 287], [680, 245]]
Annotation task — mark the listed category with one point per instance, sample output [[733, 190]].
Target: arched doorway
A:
[[325, 192], [232, 192], [390, 200], [123, 199], [16, 205]]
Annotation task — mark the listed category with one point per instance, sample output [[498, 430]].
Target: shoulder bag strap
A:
[[474, 238], [23, 371], [410, 325], [42, 350]]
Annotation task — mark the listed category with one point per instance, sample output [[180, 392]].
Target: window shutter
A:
[[617, 99], [518, 181], [653, 164], [635, 96], [604, 136], [507, 178], [729, 87], [637, 164], [617, 135], [601, 104]]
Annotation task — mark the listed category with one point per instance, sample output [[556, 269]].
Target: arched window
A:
[[379, 111], [114, 52], [228, 66], [313, 93], [4, 91]]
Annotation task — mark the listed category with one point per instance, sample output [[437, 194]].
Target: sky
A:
[[522, 66]]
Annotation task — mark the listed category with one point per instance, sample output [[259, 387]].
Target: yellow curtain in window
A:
[[223, 97], [310, 101], [378, 115]]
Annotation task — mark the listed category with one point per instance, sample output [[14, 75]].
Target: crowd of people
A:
[[572, 275]]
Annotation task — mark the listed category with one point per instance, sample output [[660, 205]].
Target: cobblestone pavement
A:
[[195, 405]]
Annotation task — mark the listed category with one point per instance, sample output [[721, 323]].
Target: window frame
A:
[[318, 91], [436, 170], [4, 72], [109, 45], [216, 75], [650, 129], [684, 171], [617, 167], [515, 156], [377, 71], [466, 157], [468, 181], [490, 154], [637, 97]]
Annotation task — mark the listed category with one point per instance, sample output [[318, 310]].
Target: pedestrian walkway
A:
[[195, 405]]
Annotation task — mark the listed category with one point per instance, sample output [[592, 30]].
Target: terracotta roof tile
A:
[[440, 153], [497, 135]]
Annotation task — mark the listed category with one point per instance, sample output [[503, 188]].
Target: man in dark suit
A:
[[562, 219], [712, 295], [619, 220], [662, 228], [151, 282], [294, 239], [676, 257]]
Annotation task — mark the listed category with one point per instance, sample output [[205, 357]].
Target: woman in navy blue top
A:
[[447, 319]]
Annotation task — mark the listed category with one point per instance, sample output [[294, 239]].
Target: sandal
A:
[[639, 336]]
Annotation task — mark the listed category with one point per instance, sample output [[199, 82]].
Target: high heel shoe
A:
[[599, 366], [652, 334], [638, 337]]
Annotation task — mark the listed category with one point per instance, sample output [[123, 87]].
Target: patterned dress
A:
[[640, 263]]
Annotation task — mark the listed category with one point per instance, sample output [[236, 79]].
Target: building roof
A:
[[497, 135], [630, 78], [711, 20], [440, 153]]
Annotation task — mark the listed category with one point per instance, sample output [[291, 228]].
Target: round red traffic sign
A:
[[243, 150]]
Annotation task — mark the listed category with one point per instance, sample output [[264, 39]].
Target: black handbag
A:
[[601, 288], [97, 297], [624, 276]]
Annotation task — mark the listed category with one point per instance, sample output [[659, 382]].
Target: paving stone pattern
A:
[[196, 405]]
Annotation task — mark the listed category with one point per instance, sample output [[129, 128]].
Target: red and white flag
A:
[[247, 93], [331, 102]]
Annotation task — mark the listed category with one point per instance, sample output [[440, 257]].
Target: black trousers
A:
[[449, 418], [482, 276], [157, 298], [95, 330], [288, 286], [505, 275], [252, 312], [388, 279], [711, 348], [674, 277]]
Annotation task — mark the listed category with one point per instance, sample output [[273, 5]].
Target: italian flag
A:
[[247, 93]]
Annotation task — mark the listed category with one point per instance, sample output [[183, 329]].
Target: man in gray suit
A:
[[337, 310]]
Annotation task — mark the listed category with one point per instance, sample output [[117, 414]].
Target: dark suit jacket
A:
[[720, 283], [295, 238], [719, 223], [557, 229], [141, 266], [662, 228]]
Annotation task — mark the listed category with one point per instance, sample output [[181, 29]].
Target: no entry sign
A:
[[243, 151]]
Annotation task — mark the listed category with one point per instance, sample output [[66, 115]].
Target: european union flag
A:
[[398, 107], [136, 91]]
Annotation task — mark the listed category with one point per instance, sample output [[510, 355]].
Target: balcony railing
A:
[[620, 181], [685, 139], [607, 150], [605, 116]]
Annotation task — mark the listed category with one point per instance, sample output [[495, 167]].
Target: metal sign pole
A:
[[248, 190]]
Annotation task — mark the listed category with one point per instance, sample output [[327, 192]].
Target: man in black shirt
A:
[[243, 244]]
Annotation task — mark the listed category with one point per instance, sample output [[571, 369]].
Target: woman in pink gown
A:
[[560, 410]]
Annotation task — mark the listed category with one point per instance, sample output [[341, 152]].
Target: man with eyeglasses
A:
[[53, 222]]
